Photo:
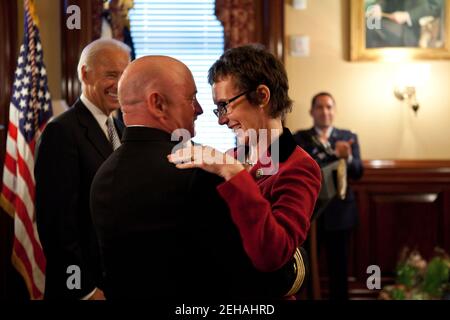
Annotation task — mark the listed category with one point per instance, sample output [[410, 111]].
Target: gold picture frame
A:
[[363, 26]]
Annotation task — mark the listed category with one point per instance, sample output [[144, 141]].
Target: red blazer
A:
[[272, 212]]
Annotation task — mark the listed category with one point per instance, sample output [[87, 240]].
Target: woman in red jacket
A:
[[272, 186]]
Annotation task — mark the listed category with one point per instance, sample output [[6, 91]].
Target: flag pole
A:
[[31, 21]]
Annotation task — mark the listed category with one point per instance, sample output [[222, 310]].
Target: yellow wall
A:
[[49, 11], [386, 128]]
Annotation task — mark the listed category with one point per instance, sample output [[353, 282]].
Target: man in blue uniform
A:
[[326, 144]]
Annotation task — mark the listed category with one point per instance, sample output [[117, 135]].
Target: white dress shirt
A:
[[327, 134], [98, 114]]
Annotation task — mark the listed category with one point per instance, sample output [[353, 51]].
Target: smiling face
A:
[[241, 115], [101, 77], [323, 112]]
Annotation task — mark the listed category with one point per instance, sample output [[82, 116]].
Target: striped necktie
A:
[[112, 133]]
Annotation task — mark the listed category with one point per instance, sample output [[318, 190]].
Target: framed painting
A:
[[400, 29]]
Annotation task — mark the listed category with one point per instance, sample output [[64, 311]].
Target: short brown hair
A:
[[251, 66], [323, 93]]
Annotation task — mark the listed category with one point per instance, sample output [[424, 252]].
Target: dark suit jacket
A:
[[71, 149], [340, 214], [165, 232]]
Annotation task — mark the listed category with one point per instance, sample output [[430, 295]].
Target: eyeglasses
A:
[[222, 105]]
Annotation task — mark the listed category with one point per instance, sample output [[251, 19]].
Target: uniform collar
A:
[[319, 131]]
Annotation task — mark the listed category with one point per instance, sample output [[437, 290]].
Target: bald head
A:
[[147, 74], [151, 88]]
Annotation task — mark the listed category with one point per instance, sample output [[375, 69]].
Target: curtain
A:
[[239, 20], [253, 21]]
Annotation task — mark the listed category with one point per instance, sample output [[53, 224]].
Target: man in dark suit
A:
[[72, 148], [165, 232], [327, 144], [400, 21]]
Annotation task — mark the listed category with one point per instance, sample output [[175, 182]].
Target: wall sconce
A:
[[409, 79], [407, 94]]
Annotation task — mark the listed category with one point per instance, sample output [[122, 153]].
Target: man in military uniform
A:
[[327, 144]]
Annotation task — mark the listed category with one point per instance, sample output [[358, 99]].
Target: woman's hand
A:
[[208, 159]]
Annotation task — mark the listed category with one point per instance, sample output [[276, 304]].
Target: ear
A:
[[263, 93], [155, 104], [85, 76]]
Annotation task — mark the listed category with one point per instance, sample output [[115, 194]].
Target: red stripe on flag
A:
[[8, 194], [32, 145], [22, 214], [21, 164], [12, 131], [10, 163], [23, 257], [25, 173]]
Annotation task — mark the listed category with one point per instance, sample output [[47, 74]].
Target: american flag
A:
[[29, 111]]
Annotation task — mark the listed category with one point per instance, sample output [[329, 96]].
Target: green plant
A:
[[436, 277], [417, 279]]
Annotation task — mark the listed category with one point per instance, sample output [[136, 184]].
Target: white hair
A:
[[94, 47]]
